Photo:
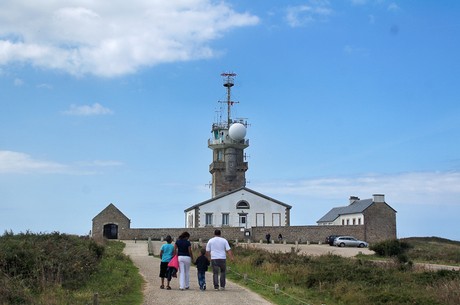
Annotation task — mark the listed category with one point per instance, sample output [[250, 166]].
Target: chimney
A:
[[353, 199], [379, 197]]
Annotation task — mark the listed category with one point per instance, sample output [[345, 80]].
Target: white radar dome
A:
[[237, 131]]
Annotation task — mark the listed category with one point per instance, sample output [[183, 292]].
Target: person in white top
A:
[[217, 249]]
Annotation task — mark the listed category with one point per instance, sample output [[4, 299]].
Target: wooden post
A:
[[277, 287], [96, 299], [245, 277]]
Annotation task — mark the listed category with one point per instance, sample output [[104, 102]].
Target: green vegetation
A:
[[64, 269], [331, 279], [60, 269], [434, 250]]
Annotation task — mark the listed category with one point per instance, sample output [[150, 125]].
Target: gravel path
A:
[[149, 268]]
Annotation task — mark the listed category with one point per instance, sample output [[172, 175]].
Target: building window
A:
[[242, 205], [208, 220], [225, 219], [348, 222], [343, 222], [359, 221], [354, 221]]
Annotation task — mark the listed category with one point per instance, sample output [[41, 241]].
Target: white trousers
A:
[[184, 271]]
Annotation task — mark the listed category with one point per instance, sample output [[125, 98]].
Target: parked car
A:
[[330, 239], [349, 241]]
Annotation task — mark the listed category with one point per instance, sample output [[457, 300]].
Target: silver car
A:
[[349, 241]]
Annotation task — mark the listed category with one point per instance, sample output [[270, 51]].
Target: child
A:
[[202, 263], [166, 254]]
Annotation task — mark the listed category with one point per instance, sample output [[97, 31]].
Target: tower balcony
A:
[[221, 143], [220, 166]]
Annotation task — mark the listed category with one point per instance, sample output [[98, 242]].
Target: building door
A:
[[111, 231], [243, 220]]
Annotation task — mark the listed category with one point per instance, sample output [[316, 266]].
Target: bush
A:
[[389, 248], [30, 263]]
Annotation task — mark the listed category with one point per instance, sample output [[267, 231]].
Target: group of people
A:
[[215, 254]]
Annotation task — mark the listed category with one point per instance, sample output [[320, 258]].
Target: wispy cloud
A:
[[302, 15], [44, 86], [18, 82], [415, 187], [112, 38], [88, 110], [12, 162], [348, 49], [16, 162], [393, 7]]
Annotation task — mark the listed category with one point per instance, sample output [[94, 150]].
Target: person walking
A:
[[217, 249], [202, 263], [183, 249], [166, 254]]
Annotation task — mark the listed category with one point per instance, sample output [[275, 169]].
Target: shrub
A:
[[392, 247], [33, 262]]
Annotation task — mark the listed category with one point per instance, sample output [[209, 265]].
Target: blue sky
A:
[[113, 103]]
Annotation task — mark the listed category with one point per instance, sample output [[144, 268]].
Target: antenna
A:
[[229, 83]]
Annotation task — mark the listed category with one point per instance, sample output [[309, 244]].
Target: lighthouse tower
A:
[[228, 142]]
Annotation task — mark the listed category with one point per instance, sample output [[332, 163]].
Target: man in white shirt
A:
[[217, 249]]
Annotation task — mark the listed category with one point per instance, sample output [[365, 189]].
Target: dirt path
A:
[[149, 268]]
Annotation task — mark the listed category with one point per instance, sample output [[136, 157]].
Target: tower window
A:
[[220, 155]]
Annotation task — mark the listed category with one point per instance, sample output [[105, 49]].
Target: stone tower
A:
[[228, 142]]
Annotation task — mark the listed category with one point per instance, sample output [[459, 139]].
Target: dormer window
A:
[[242, 205]]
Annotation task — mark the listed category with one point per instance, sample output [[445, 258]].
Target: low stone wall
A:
[[291, 234], [306, 234], [196, 234]]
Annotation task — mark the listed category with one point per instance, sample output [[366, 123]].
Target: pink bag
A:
[[174, 262]]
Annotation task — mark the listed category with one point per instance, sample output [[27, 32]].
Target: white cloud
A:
[[86, 110], [112, 38], [412, 188], [15, 162], [301, 15], [12, 162]]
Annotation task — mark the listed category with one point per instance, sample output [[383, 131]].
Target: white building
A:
[[242, 208]]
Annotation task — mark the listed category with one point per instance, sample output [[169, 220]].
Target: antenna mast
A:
[[229, 83]]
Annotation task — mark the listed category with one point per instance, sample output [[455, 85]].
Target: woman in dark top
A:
[[183, 249]]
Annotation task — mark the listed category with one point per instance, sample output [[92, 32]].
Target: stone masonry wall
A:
[[292, 234], [380, 222], [110, 216], [304, 234]]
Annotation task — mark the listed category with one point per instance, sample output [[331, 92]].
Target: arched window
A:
[[242, 205]]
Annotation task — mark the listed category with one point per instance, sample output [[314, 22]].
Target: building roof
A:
[[110, 207], [234, 191], [357, 206]]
